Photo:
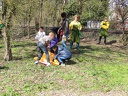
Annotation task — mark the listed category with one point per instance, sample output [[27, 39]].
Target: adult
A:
[[104, 30], [75, 27], [65, 26]]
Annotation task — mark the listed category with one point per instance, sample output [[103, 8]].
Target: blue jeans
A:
[[65, 42], [43, 49], [61, 59], [77, 45]]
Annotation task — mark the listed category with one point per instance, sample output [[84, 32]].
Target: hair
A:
[[76, 16], [55, 30], [105, 17], [55, 46], [63, 14], [42, 27], [52, 32]]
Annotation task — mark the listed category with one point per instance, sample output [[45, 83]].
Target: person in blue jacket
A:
[[62, 53]]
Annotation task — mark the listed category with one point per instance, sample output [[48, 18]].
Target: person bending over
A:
[[62, 54]]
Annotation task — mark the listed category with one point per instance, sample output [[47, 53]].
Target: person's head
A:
[[41, 29], [105, 19], [54, 48], [51, 35], [55, 30], [76, 18], [63, 15]]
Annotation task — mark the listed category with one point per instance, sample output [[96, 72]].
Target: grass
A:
[[96, 68]]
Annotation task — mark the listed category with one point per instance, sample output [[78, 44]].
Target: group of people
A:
[[49, 42]]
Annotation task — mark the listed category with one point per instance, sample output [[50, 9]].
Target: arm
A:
[[57, 55], [1, 26], [80, 26], [37, 36], [44, 33], [52, 43], [64, 45], [71, 26], [104, 26], [66, 29]]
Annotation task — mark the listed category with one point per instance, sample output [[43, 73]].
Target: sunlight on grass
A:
[[95, 68]]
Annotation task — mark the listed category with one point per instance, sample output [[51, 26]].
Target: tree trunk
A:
[[29, 28], [36, 24], [6, 34], [7, 45], [41, 13], [29, 19], [124, 37], [24, 27], [80, 7]]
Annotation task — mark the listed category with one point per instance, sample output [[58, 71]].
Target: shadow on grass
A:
[[111, 42], [17, 58], [70, 62], [89, 49], [24, 45], [4, 67], [26, 55]]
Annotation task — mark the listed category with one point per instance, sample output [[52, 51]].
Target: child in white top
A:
[[40, 34]]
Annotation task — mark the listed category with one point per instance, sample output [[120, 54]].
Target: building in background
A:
[[115, 16]]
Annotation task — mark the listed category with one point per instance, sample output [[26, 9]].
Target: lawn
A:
[[95, 69]]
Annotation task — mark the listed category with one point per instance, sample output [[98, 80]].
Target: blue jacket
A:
[[63, 52], [53, 42]]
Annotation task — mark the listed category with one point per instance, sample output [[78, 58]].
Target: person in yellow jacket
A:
[[104, 30], [75, 28], [1, 26]]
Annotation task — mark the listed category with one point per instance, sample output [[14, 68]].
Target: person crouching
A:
[[62, 54]]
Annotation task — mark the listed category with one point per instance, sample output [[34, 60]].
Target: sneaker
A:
[[36, 62], [63, 65], [48, 64]]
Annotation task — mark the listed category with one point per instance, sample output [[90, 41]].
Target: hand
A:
[[64, 38], [48, 47]]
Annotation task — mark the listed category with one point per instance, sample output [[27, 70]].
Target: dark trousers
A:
[[104, 39]]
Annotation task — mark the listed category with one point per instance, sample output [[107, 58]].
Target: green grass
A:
[[96, 68]]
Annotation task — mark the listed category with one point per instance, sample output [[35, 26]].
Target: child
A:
[[53, 41], [62, 54], [75, 26], [40, 34], [43, 44], [104, 30]]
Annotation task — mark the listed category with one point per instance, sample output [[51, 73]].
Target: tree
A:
[[121, 10], [88, 9], [8, 8]]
